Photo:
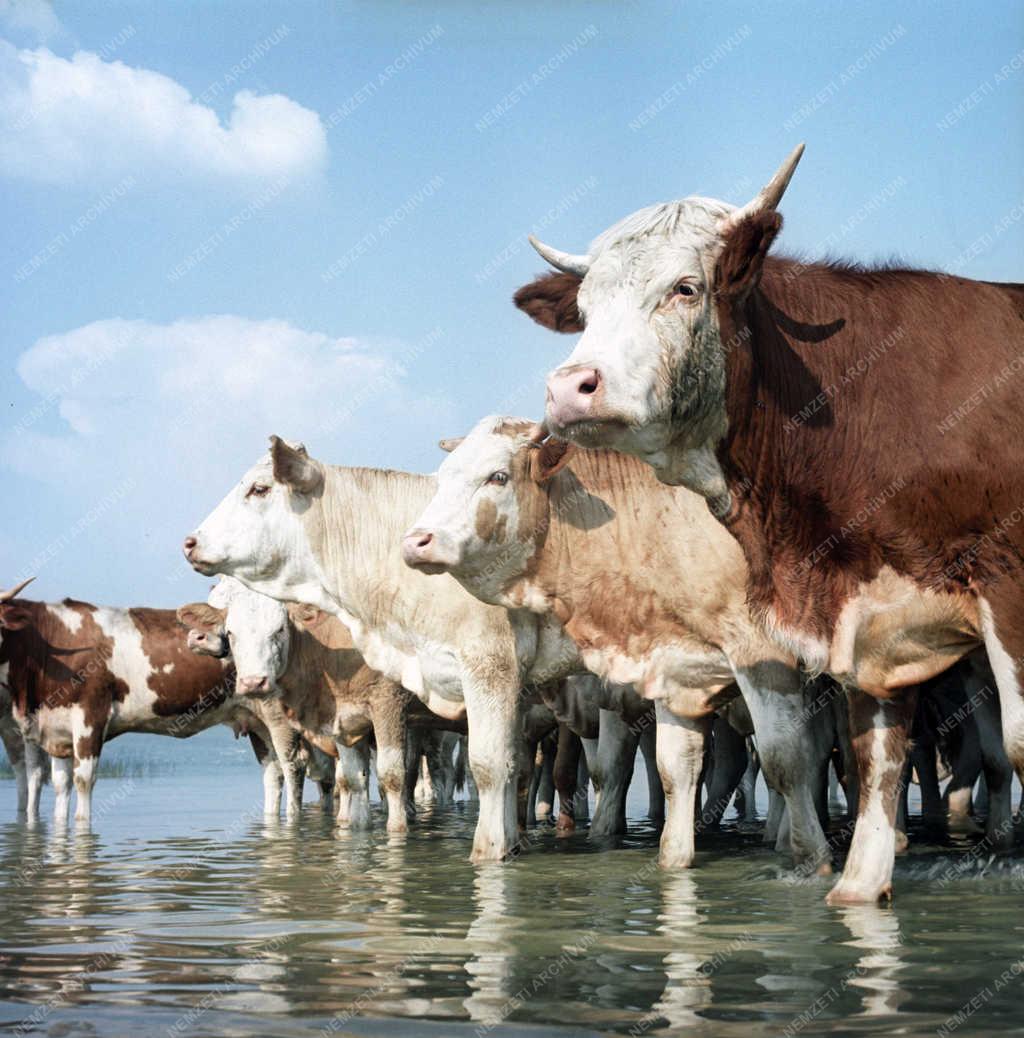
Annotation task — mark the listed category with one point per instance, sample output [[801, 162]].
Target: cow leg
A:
[[1002, 624], [680, 745], [14, 745], [965, 751], [746, 795], [88, 745], [879, 731], [546, 782], [776, 816], [730, 761], [593, 764], [35, 776], [794, 742], [997, 769], [387, 711], [494, 717], [529, 783], [354, 776], [61, 769], [617, 745], [441, 768], [582, 811], [655, 793], [413, 755], [273, 777], [566, 774]]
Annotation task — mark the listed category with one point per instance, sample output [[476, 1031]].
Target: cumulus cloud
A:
[[82, 118], [186, 407]]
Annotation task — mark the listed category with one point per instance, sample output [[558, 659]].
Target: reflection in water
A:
[[689, 975], [876, 931], [187, 911], [489, 940]]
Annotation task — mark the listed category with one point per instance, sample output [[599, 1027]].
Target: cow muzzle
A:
[[427, 552], [574, 395], [253, 685]]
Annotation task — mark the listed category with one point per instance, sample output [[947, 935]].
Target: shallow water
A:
[[184, 912]]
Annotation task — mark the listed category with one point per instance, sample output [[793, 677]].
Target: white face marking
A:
[[257, 628], [639, 330], [477, 478], [257, 536], [70, 618]]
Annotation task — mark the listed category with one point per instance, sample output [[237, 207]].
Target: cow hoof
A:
[[901, 842], [565, 826], [675, 861], [848, 894]]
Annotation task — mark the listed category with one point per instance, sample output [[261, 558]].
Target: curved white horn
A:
[[561, 260], [6, 596], [537, 433], [770, 195]]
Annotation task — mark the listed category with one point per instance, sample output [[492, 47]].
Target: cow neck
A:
[[830, 464], [615, 536], [356, 536]]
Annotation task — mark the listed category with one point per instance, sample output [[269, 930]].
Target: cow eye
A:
[[498, 479], [684, 288], [258, 490]]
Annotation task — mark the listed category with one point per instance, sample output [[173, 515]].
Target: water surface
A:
[[185, 912]]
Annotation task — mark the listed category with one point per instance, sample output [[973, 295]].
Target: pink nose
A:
[[253, 684], [571, 395], [417, 546]]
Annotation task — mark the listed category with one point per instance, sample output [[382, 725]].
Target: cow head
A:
[[254, 627], [257, 533], [489, 515], [207, 635], [647, 376]]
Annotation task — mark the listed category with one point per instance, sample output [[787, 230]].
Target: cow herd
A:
[[772, 504]]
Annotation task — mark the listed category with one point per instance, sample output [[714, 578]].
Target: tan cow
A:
[[306, 657], [649, 587]]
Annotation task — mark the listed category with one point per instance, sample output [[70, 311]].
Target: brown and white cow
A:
[[306, 657], [649, 588], [857, 430], [79, 675]]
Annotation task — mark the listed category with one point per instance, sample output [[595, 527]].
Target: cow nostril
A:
[[424, 540], [588, 385], [190, 543]]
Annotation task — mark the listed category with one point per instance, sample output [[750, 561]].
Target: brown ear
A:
[[199, 616], [14, 616], [306, 614], [551, 301], [742, 257], [548, 459], [450, 443], [294, 467]]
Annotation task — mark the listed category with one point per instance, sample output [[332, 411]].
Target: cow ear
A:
[[13, 616], [549, 458], [294, 467], [551, 301], [198, 616], [739, 264], [450, 443], [306, 614]]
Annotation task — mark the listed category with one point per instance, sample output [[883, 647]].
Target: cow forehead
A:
[[491, 444], [694, 218]]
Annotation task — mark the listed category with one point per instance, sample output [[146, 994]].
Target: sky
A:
[[227, 220]]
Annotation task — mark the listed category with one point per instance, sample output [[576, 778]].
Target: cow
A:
[[79, 674], [649, 588], [854, 428], [306, 657], [299, 530]]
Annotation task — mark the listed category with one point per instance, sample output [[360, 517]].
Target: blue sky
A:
[[227, 220]]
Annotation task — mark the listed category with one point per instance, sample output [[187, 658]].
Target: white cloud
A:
[[33, 16], [65, 120], [190, 405]]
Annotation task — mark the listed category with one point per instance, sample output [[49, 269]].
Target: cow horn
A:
[[770, 195], [6, 596], [561, 260]]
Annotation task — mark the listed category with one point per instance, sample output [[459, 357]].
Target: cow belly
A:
[[664, 670], [893, 633]]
